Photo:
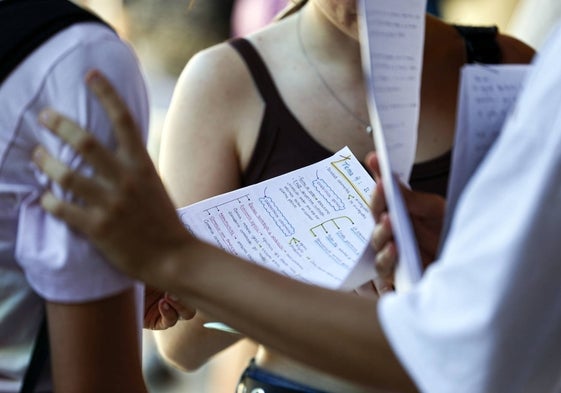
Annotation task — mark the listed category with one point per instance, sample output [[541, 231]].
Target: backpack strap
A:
[[26, 24]]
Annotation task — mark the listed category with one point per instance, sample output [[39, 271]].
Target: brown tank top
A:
[[283, 144]]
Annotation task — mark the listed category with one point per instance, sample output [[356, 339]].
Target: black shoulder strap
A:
[[481, 44], [26, 24], [39, 359], [258, 70]]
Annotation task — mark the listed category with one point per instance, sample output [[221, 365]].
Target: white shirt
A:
[[533, 20], [486, 317], [39, 255]]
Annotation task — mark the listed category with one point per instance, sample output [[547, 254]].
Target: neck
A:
[[324, 40]]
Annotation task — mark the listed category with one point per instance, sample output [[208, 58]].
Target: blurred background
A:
[[166, 33]]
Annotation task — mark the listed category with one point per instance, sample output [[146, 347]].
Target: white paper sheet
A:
[[311, 224], [392, 37], [392, 42], [486, 97]]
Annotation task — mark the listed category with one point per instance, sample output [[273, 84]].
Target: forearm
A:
[[335, 332], [332, 331]]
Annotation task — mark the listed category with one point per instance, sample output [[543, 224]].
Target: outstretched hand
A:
[[427, 217], [124, 183]]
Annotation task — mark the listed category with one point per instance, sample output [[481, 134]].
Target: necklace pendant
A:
[[369, 129]]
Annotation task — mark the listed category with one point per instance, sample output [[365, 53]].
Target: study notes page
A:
[[312, 224]]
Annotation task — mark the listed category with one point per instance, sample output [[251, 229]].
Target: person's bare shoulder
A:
[[445, 40], [221, 64], [515, 51], [216, 72], [275, 42]]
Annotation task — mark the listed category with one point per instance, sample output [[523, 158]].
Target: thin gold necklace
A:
[[364, 123]]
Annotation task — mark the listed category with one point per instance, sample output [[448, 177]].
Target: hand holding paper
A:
[[392, 37], [427, 214]]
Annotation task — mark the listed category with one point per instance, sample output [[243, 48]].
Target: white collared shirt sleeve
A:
[[60, 265], [486, 317]]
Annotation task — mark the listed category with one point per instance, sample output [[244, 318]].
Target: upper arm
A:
[[60, 265], [200, 158], [95, 345], [200, 150], [91, 309]]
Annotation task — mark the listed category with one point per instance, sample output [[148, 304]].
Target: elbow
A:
[[179, 354], [180, 358], [189, 345]]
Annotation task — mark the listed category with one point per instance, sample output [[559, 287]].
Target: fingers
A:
[[84, 143], [169, 316], [367, 290], [424, 204], [383, 286], [385, 267], [382, 232], [382, 237], [386, 260], [126, 131], [66, 178], [184, 312], [378, 198], [378, 202], [371, 161], [74, 215], [386, 255]]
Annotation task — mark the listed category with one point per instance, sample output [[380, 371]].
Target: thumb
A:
[[373, 165]]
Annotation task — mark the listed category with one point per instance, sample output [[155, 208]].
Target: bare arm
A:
[[95, 346], [335, 332], [199, 158]]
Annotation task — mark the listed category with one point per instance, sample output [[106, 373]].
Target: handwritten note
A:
[[311, 224], [392, 36], [392, 42], [487, 95]]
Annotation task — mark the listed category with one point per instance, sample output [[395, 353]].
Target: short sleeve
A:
[[486, 316], [60, 265]]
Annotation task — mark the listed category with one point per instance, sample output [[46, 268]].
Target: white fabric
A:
[[37, 252], [532, 20], [486, 317]]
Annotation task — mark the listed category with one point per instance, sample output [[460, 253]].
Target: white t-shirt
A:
[[39, 255], [486, 317]]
